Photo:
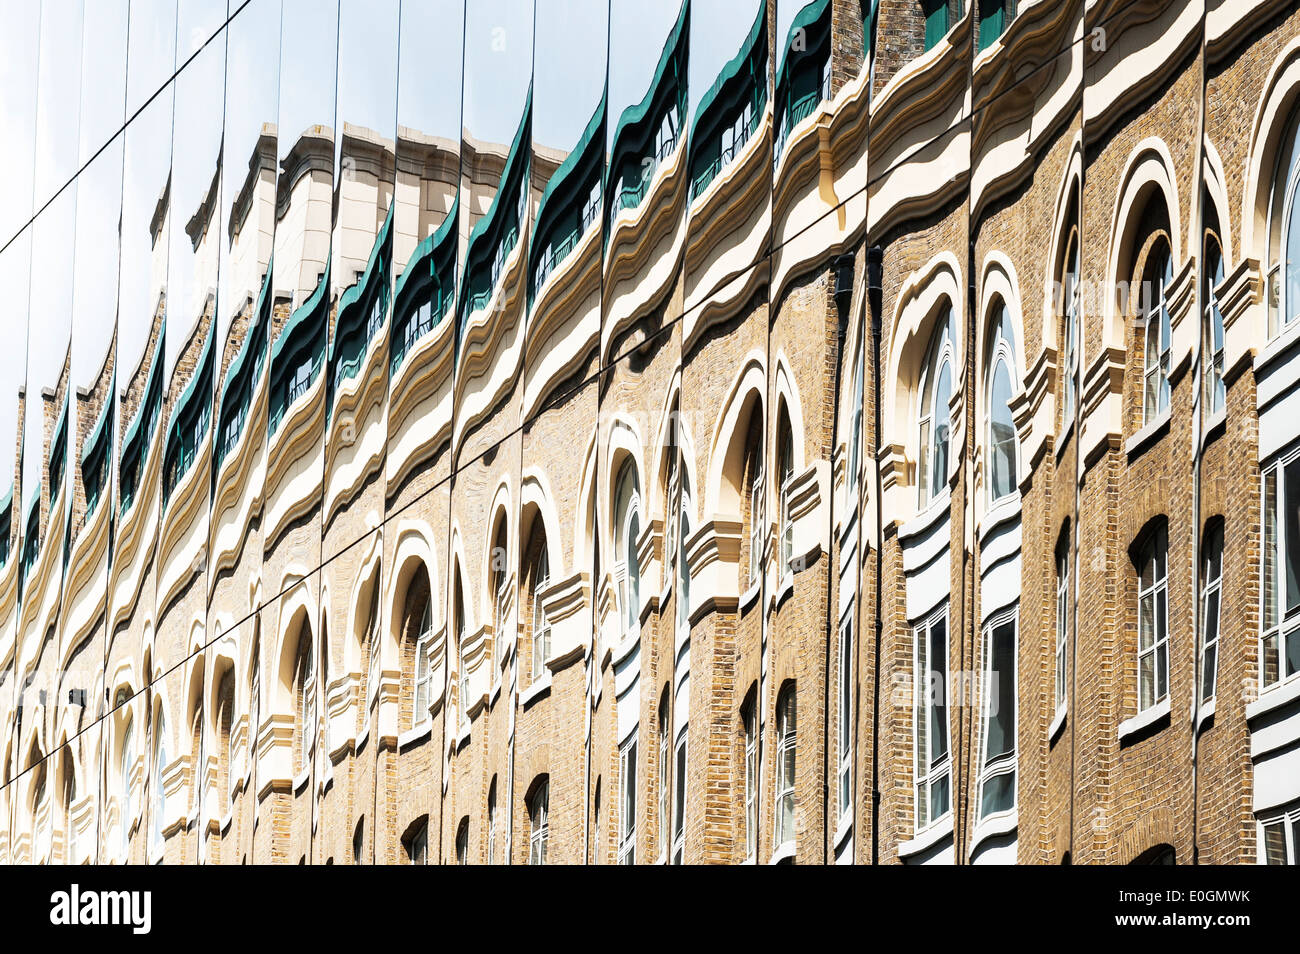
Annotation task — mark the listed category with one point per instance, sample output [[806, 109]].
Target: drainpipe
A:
[[966, 731], [875, 304], [1072, 713]]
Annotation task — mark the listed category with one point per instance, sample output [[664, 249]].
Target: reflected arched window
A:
[[627, 528], [933, 424], [1070, 308], [1284, 235], [126, 757], [1156, 333], [1213, 329], [302, 703], [539, 830], [1001, 426], [156, 782], [419, 640], [500, 591], [785, 478], [462, 678], [683, 568], [855, 437]]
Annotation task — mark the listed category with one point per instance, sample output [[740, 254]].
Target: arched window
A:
[[69, 789], [1159, 275], [539, 823], [1070, 331], [855, 437], [627, 528], [462, 678], [462, 842], [156, 782], [126, 758], [664, 773], [492, 822], [1284, 235], [785, 476], [500, 592], [226, 737], [302, 703], [1212, 348], [933, 422], [1153, 619], [756, 492], [418, 651], [541, 625], [1001, 473], [683, 568], [786, 730]]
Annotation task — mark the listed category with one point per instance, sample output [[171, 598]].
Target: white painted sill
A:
[[843, 831], [415, 733], [1001, 823], [1058, 721], [1142, 720], [1138, 444], [749, 596], [781, 853], [1204, 713], [1274, 697], [927, 839], [539, 687]]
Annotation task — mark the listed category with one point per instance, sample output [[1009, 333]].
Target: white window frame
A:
[[419, 838], [844, 721], [783, 791], [541, 625], [665, 780], [756, 509], [1278, 628], [627, 756], [1153, 646], [1282, 312], [932, 480], [750, 718], [1071, 326], [680, 754], [423, 682], [1211, 593], [1215, 392], [492, 824], [1288, 821], [1062, 625], [1156, 360], [785, 474], [1005, 763], [160, 796], [928, 776], [499, 614], [1003, 355], [539, 824]]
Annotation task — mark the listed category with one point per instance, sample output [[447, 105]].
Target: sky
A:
[[569, 68]]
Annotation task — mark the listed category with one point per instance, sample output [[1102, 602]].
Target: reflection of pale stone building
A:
[[886, 461]]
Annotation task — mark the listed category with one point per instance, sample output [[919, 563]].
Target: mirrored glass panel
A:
[[300, 312], [19, 46], [361, 266], [494, 206], [646, 148], [728, 92], [15, 271], [428, 165], [803, 64], [145, 240], [153, 47]]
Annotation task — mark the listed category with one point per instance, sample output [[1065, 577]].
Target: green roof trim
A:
[[353, 292], [283, 343], [805, 18], [571, 162], [187, 395], [483, 231], [133, 428], [245, 346]]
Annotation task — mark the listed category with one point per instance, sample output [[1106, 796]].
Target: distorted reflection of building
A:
[[552, 432]]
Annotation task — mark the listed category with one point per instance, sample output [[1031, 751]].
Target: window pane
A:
[[1291, 535], [938, 683], [998, 794], [1270, 550], [1274, 844], [1001, 725], [1002, 434]]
